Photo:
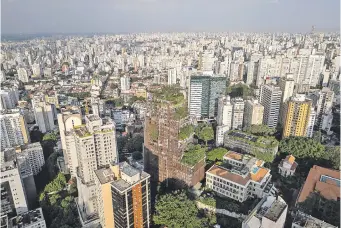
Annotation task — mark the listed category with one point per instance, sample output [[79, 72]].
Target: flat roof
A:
[[275, 211], [105, 175]]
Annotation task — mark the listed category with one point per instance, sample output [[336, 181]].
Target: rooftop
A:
[[308, 221], [322, 180], [261, 141], [275, 210], [27, 218], [82, 131], [92, 117], [105, 175]]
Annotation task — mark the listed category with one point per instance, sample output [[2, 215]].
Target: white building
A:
[[44, 116], [247, 178], [14, 130], [302, 220], [172, 75], [270, 212], [237, 113], [33, 152], [287, 85], [22, 75], [288, 166], [270, 98], [36, 69], [220, 132], [314, 69], [324, 105], [236, 72], [224, 115], [9, 98], [29, 219], [125, 83], [253, 113], [311, 123], [252, 69]]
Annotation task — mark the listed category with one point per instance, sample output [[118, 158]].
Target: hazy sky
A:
[[121, 16]]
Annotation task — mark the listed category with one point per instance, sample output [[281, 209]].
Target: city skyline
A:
[[135, 16]]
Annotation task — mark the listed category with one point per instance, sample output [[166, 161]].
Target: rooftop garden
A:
[[186, 131], [171, 94], [193, 155], [181, 112], [259, 141]]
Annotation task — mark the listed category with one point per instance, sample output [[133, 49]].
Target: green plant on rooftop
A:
[[260, 130], [265, 156], [216, 155], [206, 134], [302, 147], [169, 93], [265, 142], [181, 112], [153, 131], [186, 132], [193, 154], [209, 201]]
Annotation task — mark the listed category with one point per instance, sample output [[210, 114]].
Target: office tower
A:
[[67, 120], [9, 98], [172, 76], [253, 113], [270, 212], [324, 105], [314, 69], [44, 114], [241, 178], [237, 112], [33, 153], [13, 197], [29, 219], [286, 84], [224, 115], [297, 116], [14, 130], [123, 195], [204, 92], [236, 72], [270, 98], [163, 151], [95, 145], [299, 67], [22, 75], [125, 83], [252, 68]]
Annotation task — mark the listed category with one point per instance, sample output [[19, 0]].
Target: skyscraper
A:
[[324, 105], [253, 113], [125, 83], [14, 130], [95, 145], [44, 114], [204, 92], [270, 98], [163, 151], [286, 85], [123, 196], [237, 112], [297, 116], [224, 115], [67, 120]]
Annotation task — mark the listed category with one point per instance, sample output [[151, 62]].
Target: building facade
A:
[[270, 98], [253, 113], [237, 113]]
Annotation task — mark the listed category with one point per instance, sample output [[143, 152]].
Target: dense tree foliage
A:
[[206, 134], [260, 130], [137, 155], [302, 147], [57, 184], [80, 96], [216, 154], [50, 137], [176, 210], [265, 156], [186, 131], [193, 154], [239, 90]]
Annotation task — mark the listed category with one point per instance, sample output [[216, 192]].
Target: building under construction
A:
[[163, 151]]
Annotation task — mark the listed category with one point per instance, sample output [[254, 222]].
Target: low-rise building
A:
[[287, 166], [270, 212], [247, 143], [240, 177], [30, 219], [302, 220]]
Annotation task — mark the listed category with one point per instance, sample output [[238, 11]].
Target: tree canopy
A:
[[302, 147], [177, 211], [193, 154], [206, 134], [239, 90], [216, 154], [186, 131], [50, 137], [57, 184]]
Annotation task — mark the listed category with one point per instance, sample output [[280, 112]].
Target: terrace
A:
[[259, 141], [193, 155]]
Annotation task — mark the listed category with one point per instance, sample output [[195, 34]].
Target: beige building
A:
[[67, 120], [95, 146], [253, 113]]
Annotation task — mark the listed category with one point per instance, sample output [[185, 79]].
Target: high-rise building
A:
[[125, 83], [311, 122], [253, 113], [95, 145], [22, 75], [252, 68], [14, 130], [9, 98], [324, 105], [204, 92], [44, 114], [224, 115], [286, 85], [172, 75], [13, 196], [67, 120], [314, 69], [123, 196], [29, 219], [163, 151], [236, 72], [237, 112], [33, 153], [270, 98], [297, 116]]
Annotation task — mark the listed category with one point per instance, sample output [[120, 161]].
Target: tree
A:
[[50, 137], [216, 154], [317, 136], [54, 198], [57, 184], [206, 134], [260, 130], [177, 211], [186, 131], [332, 154], [302, 147]]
